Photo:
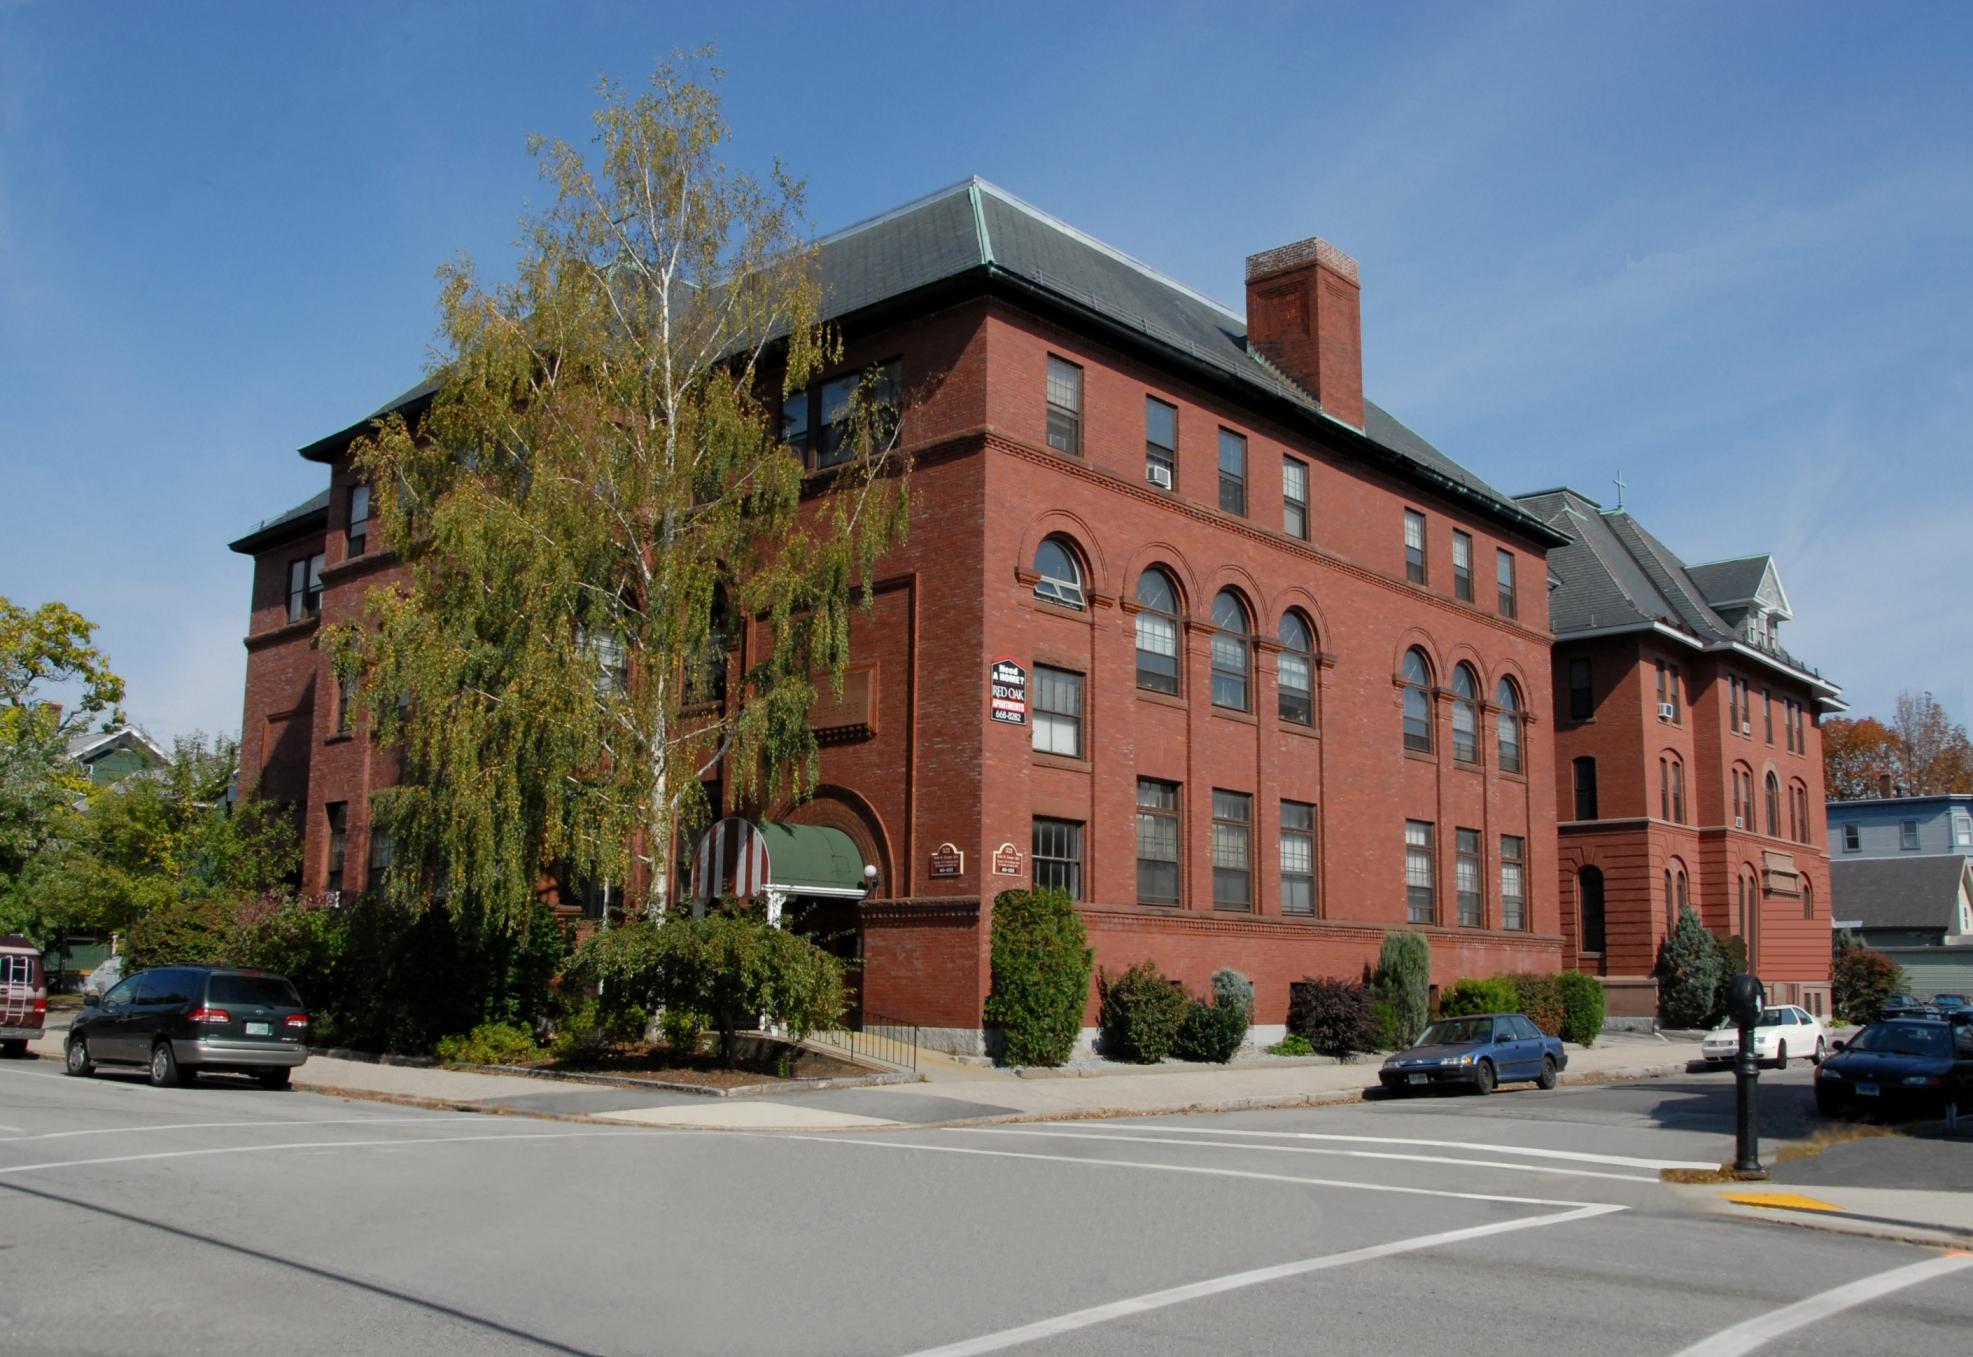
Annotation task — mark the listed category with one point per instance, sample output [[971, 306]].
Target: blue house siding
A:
[[1880, 826]]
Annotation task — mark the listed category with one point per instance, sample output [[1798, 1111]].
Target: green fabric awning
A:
[[743, 858]]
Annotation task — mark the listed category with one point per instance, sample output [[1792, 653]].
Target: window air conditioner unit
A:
[[333, 899], [1665, 710], [1746, 727], [1158, 476], [1739, 822]]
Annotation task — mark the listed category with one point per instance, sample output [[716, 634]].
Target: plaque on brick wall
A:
[[1007, 687], [1007, 860], [948, 861]]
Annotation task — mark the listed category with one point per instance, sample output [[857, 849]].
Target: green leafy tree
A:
[[1861, 979], [1041, 962], [1402, 989], [1688, 972], [596, 503]]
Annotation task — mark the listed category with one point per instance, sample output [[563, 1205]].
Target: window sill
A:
[[1162, 699], [1468, 765], [1043, 759], [1245, 718], [1297, 728], [340, 737], [1513, 777], [1421, 756]]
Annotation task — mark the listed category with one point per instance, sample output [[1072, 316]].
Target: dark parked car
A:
[[177, 1020], [1905, 1006], [1950, 1003], [1479, 1052], [1903, 1063]]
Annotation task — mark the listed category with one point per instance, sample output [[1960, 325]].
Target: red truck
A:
[[23, 994]]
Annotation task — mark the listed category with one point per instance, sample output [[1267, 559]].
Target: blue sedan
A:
[[1478, 1051]]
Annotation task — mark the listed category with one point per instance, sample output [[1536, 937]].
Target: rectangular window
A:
[[1678, 792], [1585, 769], [345, 703], [1232, 472], [1057, 711], [1414, 546], [305, 587], [1157, 651], [1962, 829], [1293, 690], [1297, 858], [1503, 563], [358, 531], [338, 837], [1767, 713], [1668, 696], [383, 849], [1064, 406], [1233, 850], [1419, 874], [1157, 842], [1466, 876], [838, 407], [1462, 566], [1582, 698], [1294, 498], [1908, 836], [1513, 882], [1852, 839], [1058, 856], [1664, 789], [1160, 442], [794, 422]]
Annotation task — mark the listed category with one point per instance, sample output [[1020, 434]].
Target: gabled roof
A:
[[91, 745], [1729, 582], [1614, 576], [975, 232], [1900, 892], [311, 515]]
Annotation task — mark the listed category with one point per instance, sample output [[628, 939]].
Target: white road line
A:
[[397, 1143], [1178, 1295], [1191, 1168], [1764, 1329], [1311, 1149], [230, 1125], [1576, 1156]]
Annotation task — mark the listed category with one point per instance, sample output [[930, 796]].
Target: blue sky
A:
[[1723, 249]]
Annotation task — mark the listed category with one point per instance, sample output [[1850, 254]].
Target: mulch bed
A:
[[704, 1069]]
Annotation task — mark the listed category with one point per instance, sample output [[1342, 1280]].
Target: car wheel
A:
[[1781, 1055], [1546, 1079], [77, 1061], [1483, 1078], [164, 1066], [1821, 1050], [273, 1080]]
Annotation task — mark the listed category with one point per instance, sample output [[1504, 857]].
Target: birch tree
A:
[[594, 508]]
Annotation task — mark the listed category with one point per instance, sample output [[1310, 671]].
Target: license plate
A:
[[1866, 1090], [258, 1029], [1419, 1078]]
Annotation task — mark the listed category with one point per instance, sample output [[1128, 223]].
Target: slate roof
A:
[[1613, 574], [1900, 892], [295, 520], [975, 228], [1724, 582]]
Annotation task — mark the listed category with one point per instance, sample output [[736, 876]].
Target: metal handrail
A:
[[889, 1040]]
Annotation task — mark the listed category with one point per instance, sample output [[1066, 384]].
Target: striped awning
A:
[[739, 858]]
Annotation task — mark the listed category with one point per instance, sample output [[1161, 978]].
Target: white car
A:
[[1783, 1031], [108, 971]]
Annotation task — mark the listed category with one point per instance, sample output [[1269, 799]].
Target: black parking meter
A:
[[1745, 998]]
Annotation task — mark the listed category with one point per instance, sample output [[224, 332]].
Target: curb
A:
[[697, 1090]]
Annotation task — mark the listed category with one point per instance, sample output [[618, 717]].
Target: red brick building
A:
[[1273, 672], [1688, 758]]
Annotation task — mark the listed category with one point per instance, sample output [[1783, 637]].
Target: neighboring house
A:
[[1273, 670], [1688, 758], [1917, 908], [1901, 825], [112, 755]]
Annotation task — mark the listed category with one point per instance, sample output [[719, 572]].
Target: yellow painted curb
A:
[[1787, 1201]]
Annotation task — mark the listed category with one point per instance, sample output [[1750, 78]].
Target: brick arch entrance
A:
[[837, 925]]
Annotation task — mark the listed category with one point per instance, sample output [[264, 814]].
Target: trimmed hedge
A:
[[1582, 1007], [1041, 962], [1142, 1011], [1333, 1015], [1540, 997], [1210, 1033], [1568, 1004], [1494, 994]]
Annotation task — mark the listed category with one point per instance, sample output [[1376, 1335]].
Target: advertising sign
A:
[[1007, 688]]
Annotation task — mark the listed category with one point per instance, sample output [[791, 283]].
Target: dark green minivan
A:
[[178, 1020]]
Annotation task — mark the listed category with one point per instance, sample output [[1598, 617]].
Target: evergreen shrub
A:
[[1688, 973], [1141, 1012], [1582, 1007], [1404, 980], [1041, 961]]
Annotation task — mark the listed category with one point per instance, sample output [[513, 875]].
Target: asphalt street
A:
[[220, 1217]]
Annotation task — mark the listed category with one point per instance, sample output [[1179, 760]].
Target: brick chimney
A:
[[1304, 316]]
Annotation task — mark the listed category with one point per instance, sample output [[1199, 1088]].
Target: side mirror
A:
[[92, 1000], [1838, 1045]]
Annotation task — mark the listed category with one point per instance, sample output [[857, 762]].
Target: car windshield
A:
[[1457, 1032], [270, 990], [1772, 1017], [1956, 1000], [1902, 1038]]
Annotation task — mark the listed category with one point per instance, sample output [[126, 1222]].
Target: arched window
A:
[[1507, 726], [1061, 575], [1157, 632], [1465, 715], [1773, 806], [1417, 702], [1808, 898], [1671, 904], [1294, 669], [1589, 899], [1231, 652]]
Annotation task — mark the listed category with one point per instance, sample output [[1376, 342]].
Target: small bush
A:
[[1862, 979], [682, 1029], [1142, 1010], [1333, 1016], [1234, 990], [1582, 1007], [1495, 994], [1041, 962], [1688, 973], [491, 1043], [1385, 1019], [1210, 1032], [1294, 1044], [1404, 980], [1540, 997]]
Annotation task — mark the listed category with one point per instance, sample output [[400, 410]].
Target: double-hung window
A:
[[1962, 829], [1233, 850], [1057, 711], [1503, 564], [338, 813], [1585, 771], [1294, 497], [305, 587], [1157, 632], [1058, 856], [1414, 546], [1293, 686], [1420, 893], [1852, 839], [1231, 654], [1160, 442], [1157, 842], [1462, 565], [1232, 472], [383, 849], [357, 534], [1908, 836], [1582, 697], [1513, 882], [1297, 858], [1467, 876], [818, 421], [1064, 406]]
